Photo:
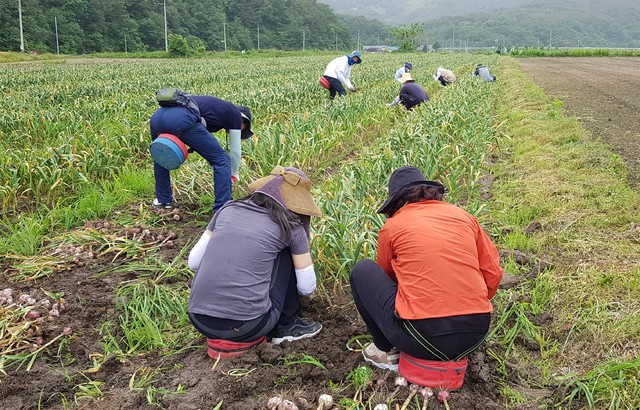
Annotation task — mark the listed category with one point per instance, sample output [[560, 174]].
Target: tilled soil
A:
[[602, 93], [64, 372]]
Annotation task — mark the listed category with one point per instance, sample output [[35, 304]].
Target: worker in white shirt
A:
[[338, 72]]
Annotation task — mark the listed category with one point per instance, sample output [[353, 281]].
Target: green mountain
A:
[[588, 23], [417, 10]]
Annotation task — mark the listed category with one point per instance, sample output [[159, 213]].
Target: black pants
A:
[[336, 87], [285, 304], [409, 101], [374, 294]]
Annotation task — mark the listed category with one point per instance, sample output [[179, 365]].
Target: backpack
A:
[[174, 97]]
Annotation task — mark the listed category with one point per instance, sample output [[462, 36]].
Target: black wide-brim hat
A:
[[402, 180]]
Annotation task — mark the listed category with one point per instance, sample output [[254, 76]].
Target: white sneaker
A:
[[382, 360]]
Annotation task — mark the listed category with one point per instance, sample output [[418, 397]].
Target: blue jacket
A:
[[219, 114]]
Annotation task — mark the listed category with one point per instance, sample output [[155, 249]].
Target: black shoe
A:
[[296, 330], [159, 205]]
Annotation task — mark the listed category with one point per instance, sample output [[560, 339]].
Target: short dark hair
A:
[[417, 194]]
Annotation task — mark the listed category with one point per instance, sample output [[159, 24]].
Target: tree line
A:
[[92, 26]]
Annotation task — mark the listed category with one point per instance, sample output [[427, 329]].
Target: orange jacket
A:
[[442, 260]]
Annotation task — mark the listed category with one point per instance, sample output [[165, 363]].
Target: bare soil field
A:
[[602, 93]]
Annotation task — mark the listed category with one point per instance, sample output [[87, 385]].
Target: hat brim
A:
[[406, 77], [405, 189], [259, 182], [300, 202], [246, 133]]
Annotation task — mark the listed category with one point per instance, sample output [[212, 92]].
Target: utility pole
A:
[[549, 39], [358, 48], [336, 41], [224, 33], [303, 39], [453, 41], [166, 33], [258, 37], [125, 43], [21, 31], [55, 20]]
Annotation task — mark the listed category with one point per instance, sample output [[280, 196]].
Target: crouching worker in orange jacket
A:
[[429, 294]]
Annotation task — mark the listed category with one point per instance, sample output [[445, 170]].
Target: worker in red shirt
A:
[[429, 292]]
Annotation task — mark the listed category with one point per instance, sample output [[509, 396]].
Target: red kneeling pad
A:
[[324, 82], [433, 373], [219, 348]]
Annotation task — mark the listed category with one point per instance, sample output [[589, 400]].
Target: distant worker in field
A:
[[484, 73], [338, 73], [445, 76], [428, 295], [194, 129], [252, 264], [411, 94], [406, 68]]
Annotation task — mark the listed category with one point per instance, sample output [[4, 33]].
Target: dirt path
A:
[[602, 93]]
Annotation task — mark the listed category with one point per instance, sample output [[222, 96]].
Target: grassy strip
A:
[[26, 236], [577, 52], [576, 189], [216, 54], [12, 57]]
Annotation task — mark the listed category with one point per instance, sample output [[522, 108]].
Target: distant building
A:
[[379, 49], [427, 48]]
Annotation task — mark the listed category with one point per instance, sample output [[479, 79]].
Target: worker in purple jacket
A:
[[195, 131], [411, 94]]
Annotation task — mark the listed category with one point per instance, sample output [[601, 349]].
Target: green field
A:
[[75, 138]]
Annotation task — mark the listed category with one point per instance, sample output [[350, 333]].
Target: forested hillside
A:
[[574, 23], [418, 10], [559, 24], [87, 26]]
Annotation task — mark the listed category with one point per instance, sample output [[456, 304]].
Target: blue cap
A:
[[408, 65], [355, 53]]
